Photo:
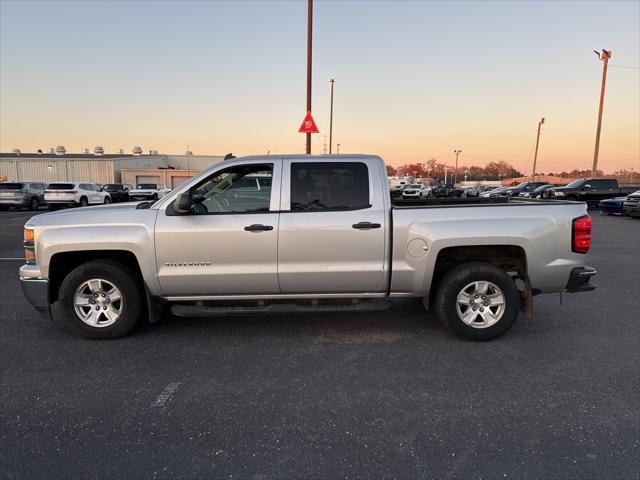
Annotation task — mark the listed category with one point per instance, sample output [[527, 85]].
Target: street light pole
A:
[[604, 56], [332, 81], [455, 174], [338, 146], [535, 155], [309, 42]]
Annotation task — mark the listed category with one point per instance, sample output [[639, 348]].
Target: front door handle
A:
[[366, 225], [258, 227]]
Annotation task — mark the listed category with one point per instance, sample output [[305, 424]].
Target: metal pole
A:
[[455, 174], [535, 155], [332, 81], [309, 40], [604, 56], [338, 145]]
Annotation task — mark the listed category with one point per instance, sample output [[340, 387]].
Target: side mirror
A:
[[182, 204], [584, 187]]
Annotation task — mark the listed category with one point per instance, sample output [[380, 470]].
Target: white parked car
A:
[[416, 190], [74, 194], [148, 191]]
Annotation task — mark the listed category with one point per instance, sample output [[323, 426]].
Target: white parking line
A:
[[165, 395]]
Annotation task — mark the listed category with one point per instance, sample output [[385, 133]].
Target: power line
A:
[[624, 66]]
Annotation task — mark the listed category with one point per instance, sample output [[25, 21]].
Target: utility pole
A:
[[338, 145], [332, 81], [324, 149], [309, 41], [535, 155], [455, 174], [604, 56]]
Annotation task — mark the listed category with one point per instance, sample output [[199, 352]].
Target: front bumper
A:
[[35, 289], [580, 280]]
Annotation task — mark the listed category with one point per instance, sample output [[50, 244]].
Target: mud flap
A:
[[526, 299]]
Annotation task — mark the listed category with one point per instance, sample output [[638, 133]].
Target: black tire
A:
[[455, 281], [83, 202], [114, 273], [107, 200], [34, 204]]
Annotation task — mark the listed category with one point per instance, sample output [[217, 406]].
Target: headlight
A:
[[29, 241]]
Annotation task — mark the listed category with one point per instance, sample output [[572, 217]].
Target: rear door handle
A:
[[258, 227], [366, 225]]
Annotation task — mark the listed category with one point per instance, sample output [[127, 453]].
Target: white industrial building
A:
[[57, 165]]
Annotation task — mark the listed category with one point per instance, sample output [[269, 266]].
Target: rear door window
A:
[[329, 186]]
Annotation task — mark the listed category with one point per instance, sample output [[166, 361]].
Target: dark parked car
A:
[[524, 187], [591, 190], [119, 191], [538, 192], [632, 204], [612, 206], [22, 194], [443, 190]]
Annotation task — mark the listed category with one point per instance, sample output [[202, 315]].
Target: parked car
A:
[[326, 239], [443, 190], [538, 192], [496, 192], [415, 190], [591, 190], [525, 187], [22, 195], [476, 191], [612, 206], [632, 204], [119, 192], [74, 194], [148, 191]]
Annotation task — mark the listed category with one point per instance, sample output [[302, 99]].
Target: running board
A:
[[276, 308]]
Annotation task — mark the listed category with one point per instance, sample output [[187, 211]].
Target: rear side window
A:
[[329, 186], [60, 186]]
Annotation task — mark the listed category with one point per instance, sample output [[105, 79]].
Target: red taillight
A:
[[581, 234]]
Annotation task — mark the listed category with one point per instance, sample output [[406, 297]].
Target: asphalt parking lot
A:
[[385, 395]]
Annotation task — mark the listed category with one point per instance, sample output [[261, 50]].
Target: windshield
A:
[[60, 186], [112, 187], [575, 183], [147, 186], [415, 186], [541, 188], [10, 186]]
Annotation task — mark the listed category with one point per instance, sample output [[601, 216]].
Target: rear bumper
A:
[[14, 202], [580, 280]]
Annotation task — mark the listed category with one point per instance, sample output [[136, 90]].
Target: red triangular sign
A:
[[308, 125]]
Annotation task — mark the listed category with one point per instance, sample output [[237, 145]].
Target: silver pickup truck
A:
[[305, 233]]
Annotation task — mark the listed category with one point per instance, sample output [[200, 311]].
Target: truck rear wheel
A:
[[478, 300], [100, 299]]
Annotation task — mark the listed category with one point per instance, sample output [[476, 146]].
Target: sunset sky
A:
[[414, 80]]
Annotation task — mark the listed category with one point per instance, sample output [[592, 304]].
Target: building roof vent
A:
[[189, 153], [85, 151], [16, 151], [137, 150], [60, 150], [51, 151], [98, 150], [120, 151], [153, 152]]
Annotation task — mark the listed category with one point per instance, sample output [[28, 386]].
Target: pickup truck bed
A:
[[315, 232]]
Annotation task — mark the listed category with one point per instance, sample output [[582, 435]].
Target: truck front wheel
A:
[[100, 299], [478, 300]]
